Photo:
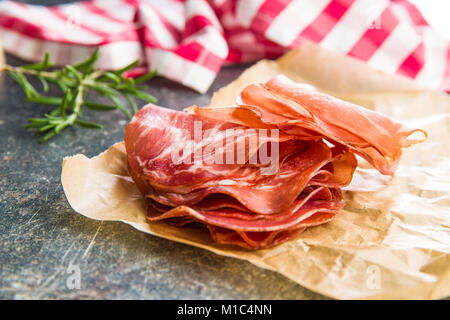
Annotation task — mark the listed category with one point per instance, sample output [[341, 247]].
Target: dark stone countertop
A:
[[41, 236]]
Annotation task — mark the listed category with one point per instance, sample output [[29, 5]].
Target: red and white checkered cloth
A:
[[188, 41]]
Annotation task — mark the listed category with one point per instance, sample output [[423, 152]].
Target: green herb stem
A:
[[74, 83]]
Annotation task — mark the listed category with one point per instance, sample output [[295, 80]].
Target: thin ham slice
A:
[[156, 134], [303, 111], [287, 219], [317, 137], [274, 193]]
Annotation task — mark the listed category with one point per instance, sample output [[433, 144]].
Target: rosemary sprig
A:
[[75, 82]]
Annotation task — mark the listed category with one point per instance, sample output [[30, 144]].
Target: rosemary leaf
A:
[[112, 76], [44, 100], [63, 105], [99, 106], [60, 126], [87, 124], [145, 77], [46, 128], [143, 96], [44, 83], [132, 103], [86, 66], [120, 105], [47, 136], [127, 67]]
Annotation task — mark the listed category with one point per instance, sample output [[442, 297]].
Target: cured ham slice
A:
[[302, 110], [267, 194], [258, 174], [230, 219]]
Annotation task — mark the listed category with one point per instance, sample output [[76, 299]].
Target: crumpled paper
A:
[[392, 239]]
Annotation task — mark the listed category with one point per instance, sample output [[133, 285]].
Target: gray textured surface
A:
[[41, 236]]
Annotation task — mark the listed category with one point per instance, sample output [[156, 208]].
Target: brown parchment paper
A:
[[393, 243]]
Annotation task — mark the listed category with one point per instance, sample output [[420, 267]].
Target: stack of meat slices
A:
[[181, 161]]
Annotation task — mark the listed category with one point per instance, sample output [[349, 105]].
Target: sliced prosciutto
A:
[[303, 111], [259, 173]]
